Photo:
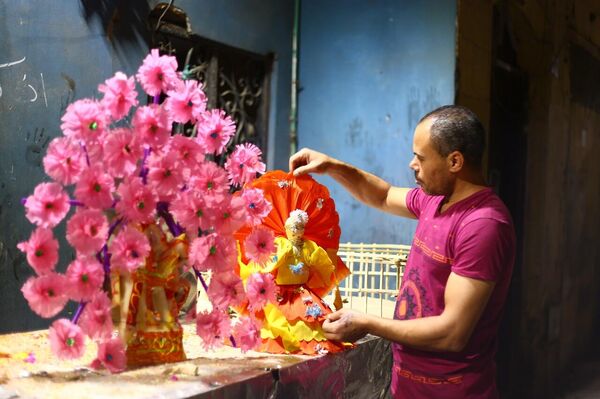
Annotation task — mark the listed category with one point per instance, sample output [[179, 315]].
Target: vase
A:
[[146, 302]]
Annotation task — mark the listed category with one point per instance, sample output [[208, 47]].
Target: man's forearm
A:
[[428, 333], [365, 187]]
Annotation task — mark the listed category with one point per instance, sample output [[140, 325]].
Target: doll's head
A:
[[294, 226]]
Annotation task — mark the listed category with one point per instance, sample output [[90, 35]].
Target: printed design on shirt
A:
[[409, 303], [423, 379], [412, 299], [431, 253]]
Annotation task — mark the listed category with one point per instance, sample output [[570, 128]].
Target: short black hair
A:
[[457, 128]]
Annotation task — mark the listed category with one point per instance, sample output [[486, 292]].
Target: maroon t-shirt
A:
[[473, 238]]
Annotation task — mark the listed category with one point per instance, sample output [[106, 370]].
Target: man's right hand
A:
[[309, 161], [366, 187]]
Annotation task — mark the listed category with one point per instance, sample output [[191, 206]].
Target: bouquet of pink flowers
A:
[[119, 179]]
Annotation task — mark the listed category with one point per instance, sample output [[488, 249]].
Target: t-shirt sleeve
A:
[[484, 249], [415, 200]]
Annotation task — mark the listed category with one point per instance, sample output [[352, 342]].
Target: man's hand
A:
[[345, 325], [309, 161]]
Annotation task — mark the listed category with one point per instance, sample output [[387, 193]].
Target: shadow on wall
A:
[[124, 22]]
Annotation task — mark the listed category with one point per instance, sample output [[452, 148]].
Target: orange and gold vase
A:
[[146, 303]]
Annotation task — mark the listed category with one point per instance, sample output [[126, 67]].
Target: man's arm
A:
[[365, 187], [465, 299]]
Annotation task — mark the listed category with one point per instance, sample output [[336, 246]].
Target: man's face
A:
[[431, 169]]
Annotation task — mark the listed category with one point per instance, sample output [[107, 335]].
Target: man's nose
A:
[[412, 164]]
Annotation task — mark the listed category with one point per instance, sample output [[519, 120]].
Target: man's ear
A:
[[456, 161]]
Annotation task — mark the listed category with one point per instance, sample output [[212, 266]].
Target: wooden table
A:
[[29, 370]]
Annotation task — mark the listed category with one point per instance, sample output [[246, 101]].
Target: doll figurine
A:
[[300, 267]]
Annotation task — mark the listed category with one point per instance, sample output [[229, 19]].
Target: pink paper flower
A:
[[157, 73], [186, 102], [129, 250], [244, 163], [111, 354], [84, 120], [209, 178], [30, 358], [41, 250], [45, 294], [96, 320], [95, 188], [85, 276], [226, 289], [152, 125], [48, 205], [215, 129], [165, 175], [64, 161], [213, 328], [247, 334], [87, 230], [189, 153], [214, 252], [230, 215], [260, 245], [121, 152], [257, 207], [260, 290], [190, 210], [66, 340], [138, 201], [119, 95]]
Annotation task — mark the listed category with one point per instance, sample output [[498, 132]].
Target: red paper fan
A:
[[288, 193]]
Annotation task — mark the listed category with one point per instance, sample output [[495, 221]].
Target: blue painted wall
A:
[[61, 53], [58, 54], [368, 71]]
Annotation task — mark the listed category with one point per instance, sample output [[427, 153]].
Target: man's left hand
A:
[[345, 325]]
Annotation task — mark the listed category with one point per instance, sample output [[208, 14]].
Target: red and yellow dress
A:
[[305, 267]]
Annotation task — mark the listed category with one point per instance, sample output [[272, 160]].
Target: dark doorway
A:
[[507, 161]]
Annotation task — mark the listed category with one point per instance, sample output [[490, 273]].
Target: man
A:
[[458, 272]]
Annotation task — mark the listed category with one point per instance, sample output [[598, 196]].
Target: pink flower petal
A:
[[260, 290], [84, 120], [257, 206], [95, 188], [129, 250], [260, 245], [247, 334], [186, 102], [138, 201], [119, 95], [87, 230], [46, 294], [122, 151], [41, 250], [226, 289], [85, 276], [158, 73], [215, 129], [66, 339], [96, 319], [213, 252], [64, 161], [213, 328], [48, 205], [111, 354], [244, 164]]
